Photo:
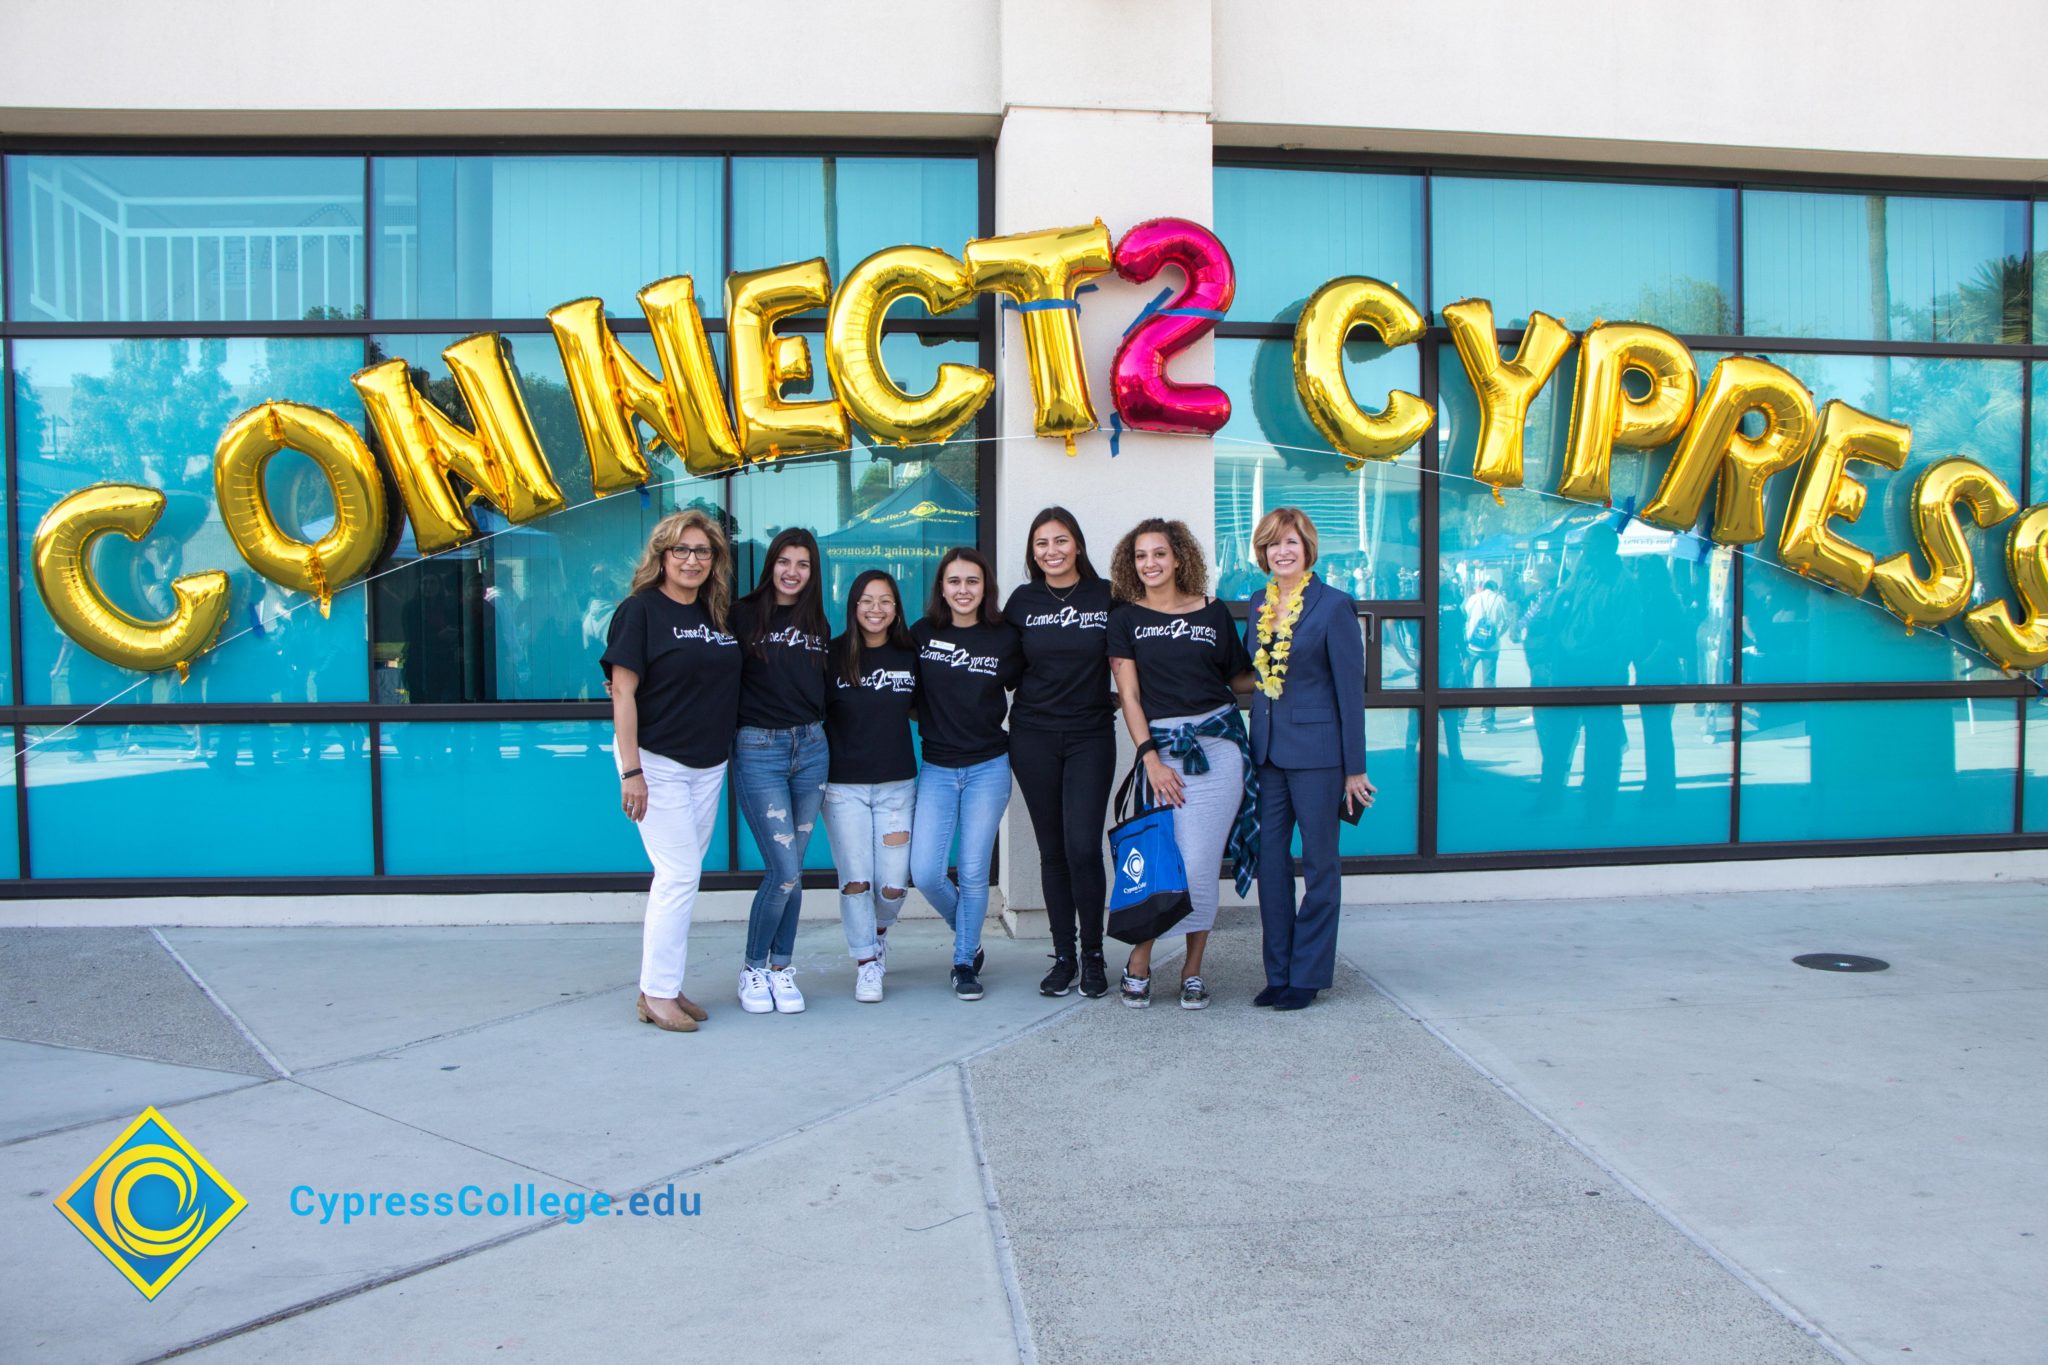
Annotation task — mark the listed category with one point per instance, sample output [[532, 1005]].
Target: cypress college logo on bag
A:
[[1133, 870], [150, 1203]]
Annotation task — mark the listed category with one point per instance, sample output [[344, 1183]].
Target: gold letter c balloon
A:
[[1326, 320], [62, 560], [853, 347], [345, 552]]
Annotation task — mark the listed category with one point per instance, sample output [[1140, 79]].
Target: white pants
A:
[[682, 810]]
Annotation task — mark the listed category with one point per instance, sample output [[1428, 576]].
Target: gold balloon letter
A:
[[345, 552], [1040, 271], [1326, 320], [2025, 645], [1504, 389], [853, 347], [501, 460], [1942, 595], [1826, 490], [763, 362], [685, 407], [1605, 416], [62, 560], [1714, 444]]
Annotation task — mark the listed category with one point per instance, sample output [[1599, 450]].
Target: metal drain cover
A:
[[1841, 962]]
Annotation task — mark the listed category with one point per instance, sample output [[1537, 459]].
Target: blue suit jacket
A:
[[1319, 719]]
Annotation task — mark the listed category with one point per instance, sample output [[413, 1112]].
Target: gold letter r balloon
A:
[[63, 569]]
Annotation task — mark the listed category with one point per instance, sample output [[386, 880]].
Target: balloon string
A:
[[646, 488]]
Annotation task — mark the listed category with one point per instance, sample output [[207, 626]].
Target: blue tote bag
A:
[[1148, 883]]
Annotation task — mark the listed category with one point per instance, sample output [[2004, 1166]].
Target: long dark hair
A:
[[940, 612], [846, 649], [1066, 519], [807, 613]]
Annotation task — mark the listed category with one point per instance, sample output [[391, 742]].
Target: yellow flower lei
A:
[[1276, 634]]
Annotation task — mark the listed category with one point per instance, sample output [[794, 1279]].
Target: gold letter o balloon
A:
[[348, 550], [62, 561]]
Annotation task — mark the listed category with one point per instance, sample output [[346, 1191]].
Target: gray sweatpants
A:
[[1201, 823]]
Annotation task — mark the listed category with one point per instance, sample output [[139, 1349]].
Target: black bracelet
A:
[[631, 772], [1150, 746]]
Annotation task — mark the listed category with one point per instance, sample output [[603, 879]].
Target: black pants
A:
[[1065, 778]]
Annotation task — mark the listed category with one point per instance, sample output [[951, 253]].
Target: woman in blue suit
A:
[[1308, 738]]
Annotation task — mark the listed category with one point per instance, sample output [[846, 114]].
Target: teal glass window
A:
[[151, 412], [184, 238], [1393, 762], [2037, 446], [1542, 591], [10, 829], [1799, 630], [1878, 769], [1883, 267], [461, 797], [1400, 655], [1368, 521], [2040, 286], [846, 208], [1582, 777], [7, 573], [277, 800], [1580, 250], [512, 236], [1291, 231], [2036, 782]]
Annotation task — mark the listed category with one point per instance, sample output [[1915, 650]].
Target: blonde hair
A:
[[1190, 568], [1277, 523], [668, 532]]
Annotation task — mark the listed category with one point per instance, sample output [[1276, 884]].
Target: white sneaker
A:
[[867, 982], [755, 996], [782, 985]]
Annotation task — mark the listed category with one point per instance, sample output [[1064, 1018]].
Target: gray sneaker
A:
[[1193, 994], [1137, 991]]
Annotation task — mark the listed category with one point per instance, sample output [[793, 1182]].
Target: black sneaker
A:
[[1094, 975], [966, 985], [1060, 979], [980, 958]]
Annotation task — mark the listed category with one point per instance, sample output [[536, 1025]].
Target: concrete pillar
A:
[[1106, 114]]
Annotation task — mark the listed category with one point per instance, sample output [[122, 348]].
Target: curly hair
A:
[[1190, 568], [669, 531]]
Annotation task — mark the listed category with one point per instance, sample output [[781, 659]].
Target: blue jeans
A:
[[969, 801], [779, 777], [862, 820]]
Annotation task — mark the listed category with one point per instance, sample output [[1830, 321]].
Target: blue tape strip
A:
[[1148, 310], [1041, 305], [1213, 314], [256, 620], [1116, 433], [645, 500]]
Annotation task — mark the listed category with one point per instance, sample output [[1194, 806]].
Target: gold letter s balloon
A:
[[62, 561], [1327, 319], [1504, 388], [853, 347], [1040, 271], [2023, 644], [1942, 595], [349, 549]]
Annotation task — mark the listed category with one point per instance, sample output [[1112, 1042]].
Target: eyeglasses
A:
[[704, 552]]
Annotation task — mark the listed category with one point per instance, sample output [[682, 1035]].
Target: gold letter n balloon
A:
[[348, 550], [62, 561]]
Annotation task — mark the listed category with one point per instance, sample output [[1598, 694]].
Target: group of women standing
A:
[[816, 726]]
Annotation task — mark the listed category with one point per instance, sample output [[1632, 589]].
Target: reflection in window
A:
[[184, 239], [257, 784], [1392, 759], [1400, 655], [1368, 521], [845, 208], [1884, 267], [1581, 250], [2037, 765], [1877, 769], [1547, 592], [1582, 777], [1290, 231], [151, 412], [512, 236], [1799, 630]]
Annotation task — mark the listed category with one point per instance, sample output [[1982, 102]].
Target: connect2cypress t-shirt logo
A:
[[150, 1203]]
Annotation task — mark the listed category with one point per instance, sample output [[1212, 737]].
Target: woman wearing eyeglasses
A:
[[674, 673]]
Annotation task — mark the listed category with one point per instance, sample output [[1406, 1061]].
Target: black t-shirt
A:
[[689, 695], [868, 726], [785, 686], [1066, 658], [1185, 662], [962, 677]]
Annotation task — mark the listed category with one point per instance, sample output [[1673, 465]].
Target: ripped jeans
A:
[[779, 778], [870, 828]]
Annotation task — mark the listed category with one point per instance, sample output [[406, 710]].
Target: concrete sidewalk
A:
[[1581, 1131]]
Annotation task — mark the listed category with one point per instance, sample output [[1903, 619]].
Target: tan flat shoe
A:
[[692, 1008], [683, 1025]]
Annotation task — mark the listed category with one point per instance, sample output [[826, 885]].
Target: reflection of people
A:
[[968, 660], [1178, 662], [1062, 747], [1589, 622], [674, 672], [1308, 738], [871, 786], [779, 755], [1486, 626], [1658, 660]]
